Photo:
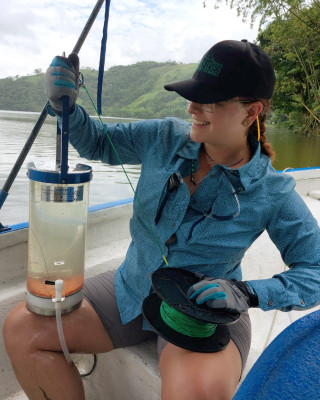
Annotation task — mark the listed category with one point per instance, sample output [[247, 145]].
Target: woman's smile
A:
[[198, 122]]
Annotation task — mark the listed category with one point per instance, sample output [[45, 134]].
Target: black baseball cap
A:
[[231, 68]]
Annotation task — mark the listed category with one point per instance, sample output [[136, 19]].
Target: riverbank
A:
[[109, 183]]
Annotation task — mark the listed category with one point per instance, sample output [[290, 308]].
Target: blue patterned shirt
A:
[[212, 246]]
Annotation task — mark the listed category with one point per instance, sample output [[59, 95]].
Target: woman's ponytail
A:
[[266, 147]]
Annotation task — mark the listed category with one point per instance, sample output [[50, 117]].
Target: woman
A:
[[208, 190]]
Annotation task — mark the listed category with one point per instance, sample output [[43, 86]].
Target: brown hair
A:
[[266, 147]]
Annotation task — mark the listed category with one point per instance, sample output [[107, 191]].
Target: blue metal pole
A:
[[64, 139]]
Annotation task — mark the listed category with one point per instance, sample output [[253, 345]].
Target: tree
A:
[[289, 32], [268, 10], [293, 48]]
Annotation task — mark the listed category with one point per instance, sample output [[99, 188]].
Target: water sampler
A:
[[58, 208]]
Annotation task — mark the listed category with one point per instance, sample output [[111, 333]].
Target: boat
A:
[[136, 367]]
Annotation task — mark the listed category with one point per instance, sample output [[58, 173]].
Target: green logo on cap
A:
[[210, 66]]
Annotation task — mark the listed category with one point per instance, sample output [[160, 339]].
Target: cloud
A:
[[33, 32], [13, 21]]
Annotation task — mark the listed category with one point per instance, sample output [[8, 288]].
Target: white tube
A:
[[58, 300]]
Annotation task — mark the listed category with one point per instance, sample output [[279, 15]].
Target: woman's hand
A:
[[223, 294], [62, 79]]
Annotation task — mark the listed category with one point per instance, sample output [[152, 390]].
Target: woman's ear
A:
[[253, 110]]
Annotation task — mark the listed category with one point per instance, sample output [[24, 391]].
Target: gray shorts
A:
[[99, 292]]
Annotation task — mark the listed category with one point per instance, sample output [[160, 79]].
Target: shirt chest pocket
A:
[[173, 201], [224, 204], [150, 192], [225, 230]]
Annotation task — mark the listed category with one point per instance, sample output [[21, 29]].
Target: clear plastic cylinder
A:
[[57, 235]]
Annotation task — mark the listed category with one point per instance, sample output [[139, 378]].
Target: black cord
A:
[[92, 368]]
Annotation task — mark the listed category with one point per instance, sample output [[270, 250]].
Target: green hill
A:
[[128, 91]]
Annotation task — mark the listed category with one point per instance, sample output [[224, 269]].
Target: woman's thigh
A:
[[83, 331], [189, 375], [94, 327], [100, 293], [240, 335]]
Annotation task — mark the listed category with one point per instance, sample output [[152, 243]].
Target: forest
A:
[[133, 91], [289, 31]]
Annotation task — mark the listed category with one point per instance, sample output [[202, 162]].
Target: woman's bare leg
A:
[[33, 346], [188, 375]]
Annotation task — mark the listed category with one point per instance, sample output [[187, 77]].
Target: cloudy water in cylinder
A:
[[57, 231]]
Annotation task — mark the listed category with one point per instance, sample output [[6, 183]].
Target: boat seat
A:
[[289, 368], [124, 374], [315, 194]]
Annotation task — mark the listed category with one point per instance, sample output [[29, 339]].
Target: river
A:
[[109, 183]]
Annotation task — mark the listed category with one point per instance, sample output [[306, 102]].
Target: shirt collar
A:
[[252, 170], [246, 173], [190, 150]]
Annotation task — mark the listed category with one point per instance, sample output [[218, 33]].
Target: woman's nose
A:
[[193, 108]]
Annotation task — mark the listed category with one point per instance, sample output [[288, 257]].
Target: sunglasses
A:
[[210, 107]]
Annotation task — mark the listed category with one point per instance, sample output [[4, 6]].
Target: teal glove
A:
[[223, 294], [62, 79]]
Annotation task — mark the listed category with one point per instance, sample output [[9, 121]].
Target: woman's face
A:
[[222, 126]]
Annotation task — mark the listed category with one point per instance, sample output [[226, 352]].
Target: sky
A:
[[34, 31]]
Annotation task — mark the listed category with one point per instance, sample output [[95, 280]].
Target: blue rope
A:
[[102, 55]]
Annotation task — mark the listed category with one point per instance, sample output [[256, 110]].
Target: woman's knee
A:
[[30, 332], [187, 383], [186, 375], [18, 330]]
